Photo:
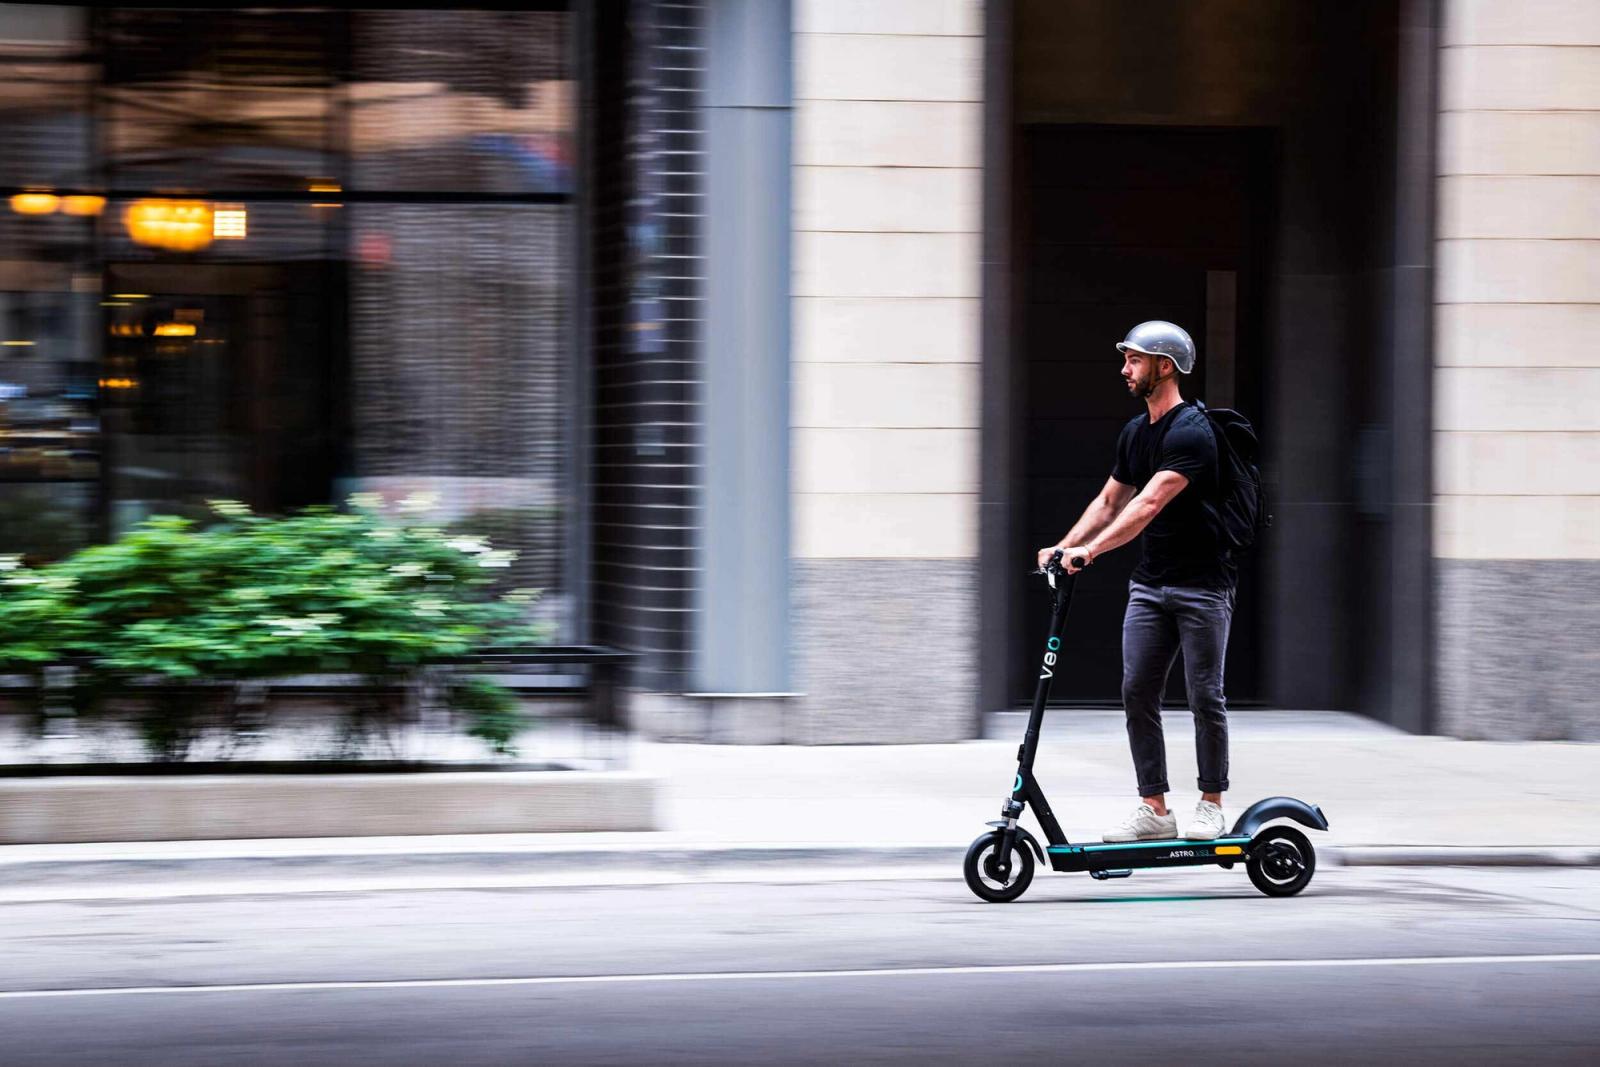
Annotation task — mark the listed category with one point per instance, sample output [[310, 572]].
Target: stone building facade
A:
[[777, 334]]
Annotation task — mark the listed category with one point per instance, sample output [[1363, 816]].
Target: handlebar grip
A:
[[1054, 566]]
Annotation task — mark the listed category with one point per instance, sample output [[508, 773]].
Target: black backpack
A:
[[1239, 510]]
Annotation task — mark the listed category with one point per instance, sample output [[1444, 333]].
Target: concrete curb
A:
[[682, 859], [132, 808], [1463, 856]]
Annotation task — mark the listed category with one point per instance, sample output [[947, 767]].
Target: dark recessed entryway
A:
[[1116, 226], [1261, 173]]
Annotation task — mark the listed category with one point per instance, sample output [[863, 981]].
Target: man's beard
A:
[[1146, 385]]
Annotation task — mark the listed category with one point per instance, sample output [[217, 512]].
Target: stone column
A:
[[884, 438], [1517, 380]]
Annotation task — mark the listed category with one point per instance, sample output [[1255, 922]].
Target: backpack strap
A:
[[1209, 502]]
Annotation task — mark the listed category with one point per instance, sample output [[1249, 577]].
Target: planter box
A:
[[221, 807]]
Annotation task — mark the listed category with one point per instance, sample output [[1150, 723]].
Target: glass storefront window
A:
[[47, 79], [461, 100], [307, 253], [49, 290], [457, 335], [220, 100]]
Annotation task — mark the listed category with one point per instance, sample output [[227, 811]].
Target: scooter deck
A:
[[1172, 852]]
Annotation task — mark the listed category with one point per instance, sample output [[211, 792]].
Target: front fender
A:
[[1029, 838], [1264, 811]]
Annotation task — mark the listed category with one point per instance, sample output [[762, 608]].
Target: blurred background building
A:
[[776, 334]]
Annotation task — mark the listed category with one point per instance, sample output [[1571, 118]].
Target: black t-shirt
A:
[[1180, 544]]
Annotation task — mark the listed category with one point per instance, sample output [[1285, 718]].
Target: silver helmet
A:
[[1158, 338]]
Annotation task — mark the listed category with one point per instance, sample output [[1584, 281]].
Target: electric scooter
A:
[[999, 864]]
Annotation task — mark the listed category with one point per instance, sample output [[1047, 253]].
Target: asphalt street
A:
[[1422, 966]]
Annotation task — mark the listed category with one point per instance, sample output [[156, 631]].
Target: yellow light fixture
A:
[[118, 383], [130, 296], [175, 329], [229, 222], [17, 344], [171, 225], [83, 206], [35, 203], [326, 186]]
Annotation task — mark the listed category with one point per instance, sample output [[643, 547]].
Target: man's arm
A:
[[1096, 517], [1130, 521]]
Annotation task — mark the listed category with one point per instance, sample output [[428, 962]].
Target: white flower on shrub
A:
[[431, 607], [470, 545], [365, 501], [10, 563], [420, 502], [409, 569], [47, 581], [229, 508], [497, 557], [288, 625]]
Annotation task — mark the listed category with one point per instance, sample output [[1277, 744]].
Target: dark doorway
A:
[[1117, 225], [223, 382]]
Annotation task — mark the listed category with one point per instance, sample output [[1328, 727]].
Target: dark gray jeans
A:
[[1159, 624]]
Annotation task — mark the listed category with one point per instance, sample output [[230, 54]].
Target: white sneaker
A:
[[1205, 824], [1145, 825]]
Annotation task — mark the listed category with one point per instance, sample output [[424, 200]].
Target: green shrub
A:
[[172, 609], [492, 713]]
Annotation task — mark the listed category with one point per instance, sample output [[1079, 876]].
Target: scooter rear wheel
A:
[[983, 856], [1281, 862]]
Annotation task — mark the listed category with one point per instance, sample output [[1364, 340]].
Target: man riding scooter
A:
[[1181, 596]]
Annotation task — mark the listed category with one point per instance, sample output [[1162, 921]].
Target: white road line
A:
[[751, 976]]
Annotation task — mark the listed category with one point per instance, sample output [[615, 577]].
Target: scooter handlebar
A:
[[1054, 566]]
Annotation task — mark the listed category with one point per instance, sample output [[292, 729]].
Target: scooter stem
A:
[[1022, 787], [1064, 583]]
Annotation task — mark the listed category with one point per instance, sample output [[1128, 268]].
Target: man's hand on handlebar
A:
[[1075, 557], [1070, 555]]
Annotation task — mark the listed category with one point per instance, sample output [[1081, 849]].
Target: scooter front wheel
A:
[[983, 876]]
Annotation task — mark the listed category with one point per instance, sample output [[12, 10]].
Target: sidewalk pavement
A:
[[1390, 798]]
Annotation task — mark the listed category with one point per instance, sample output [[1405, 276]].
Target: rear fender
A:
[[1029, 838], [1264, 811]]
